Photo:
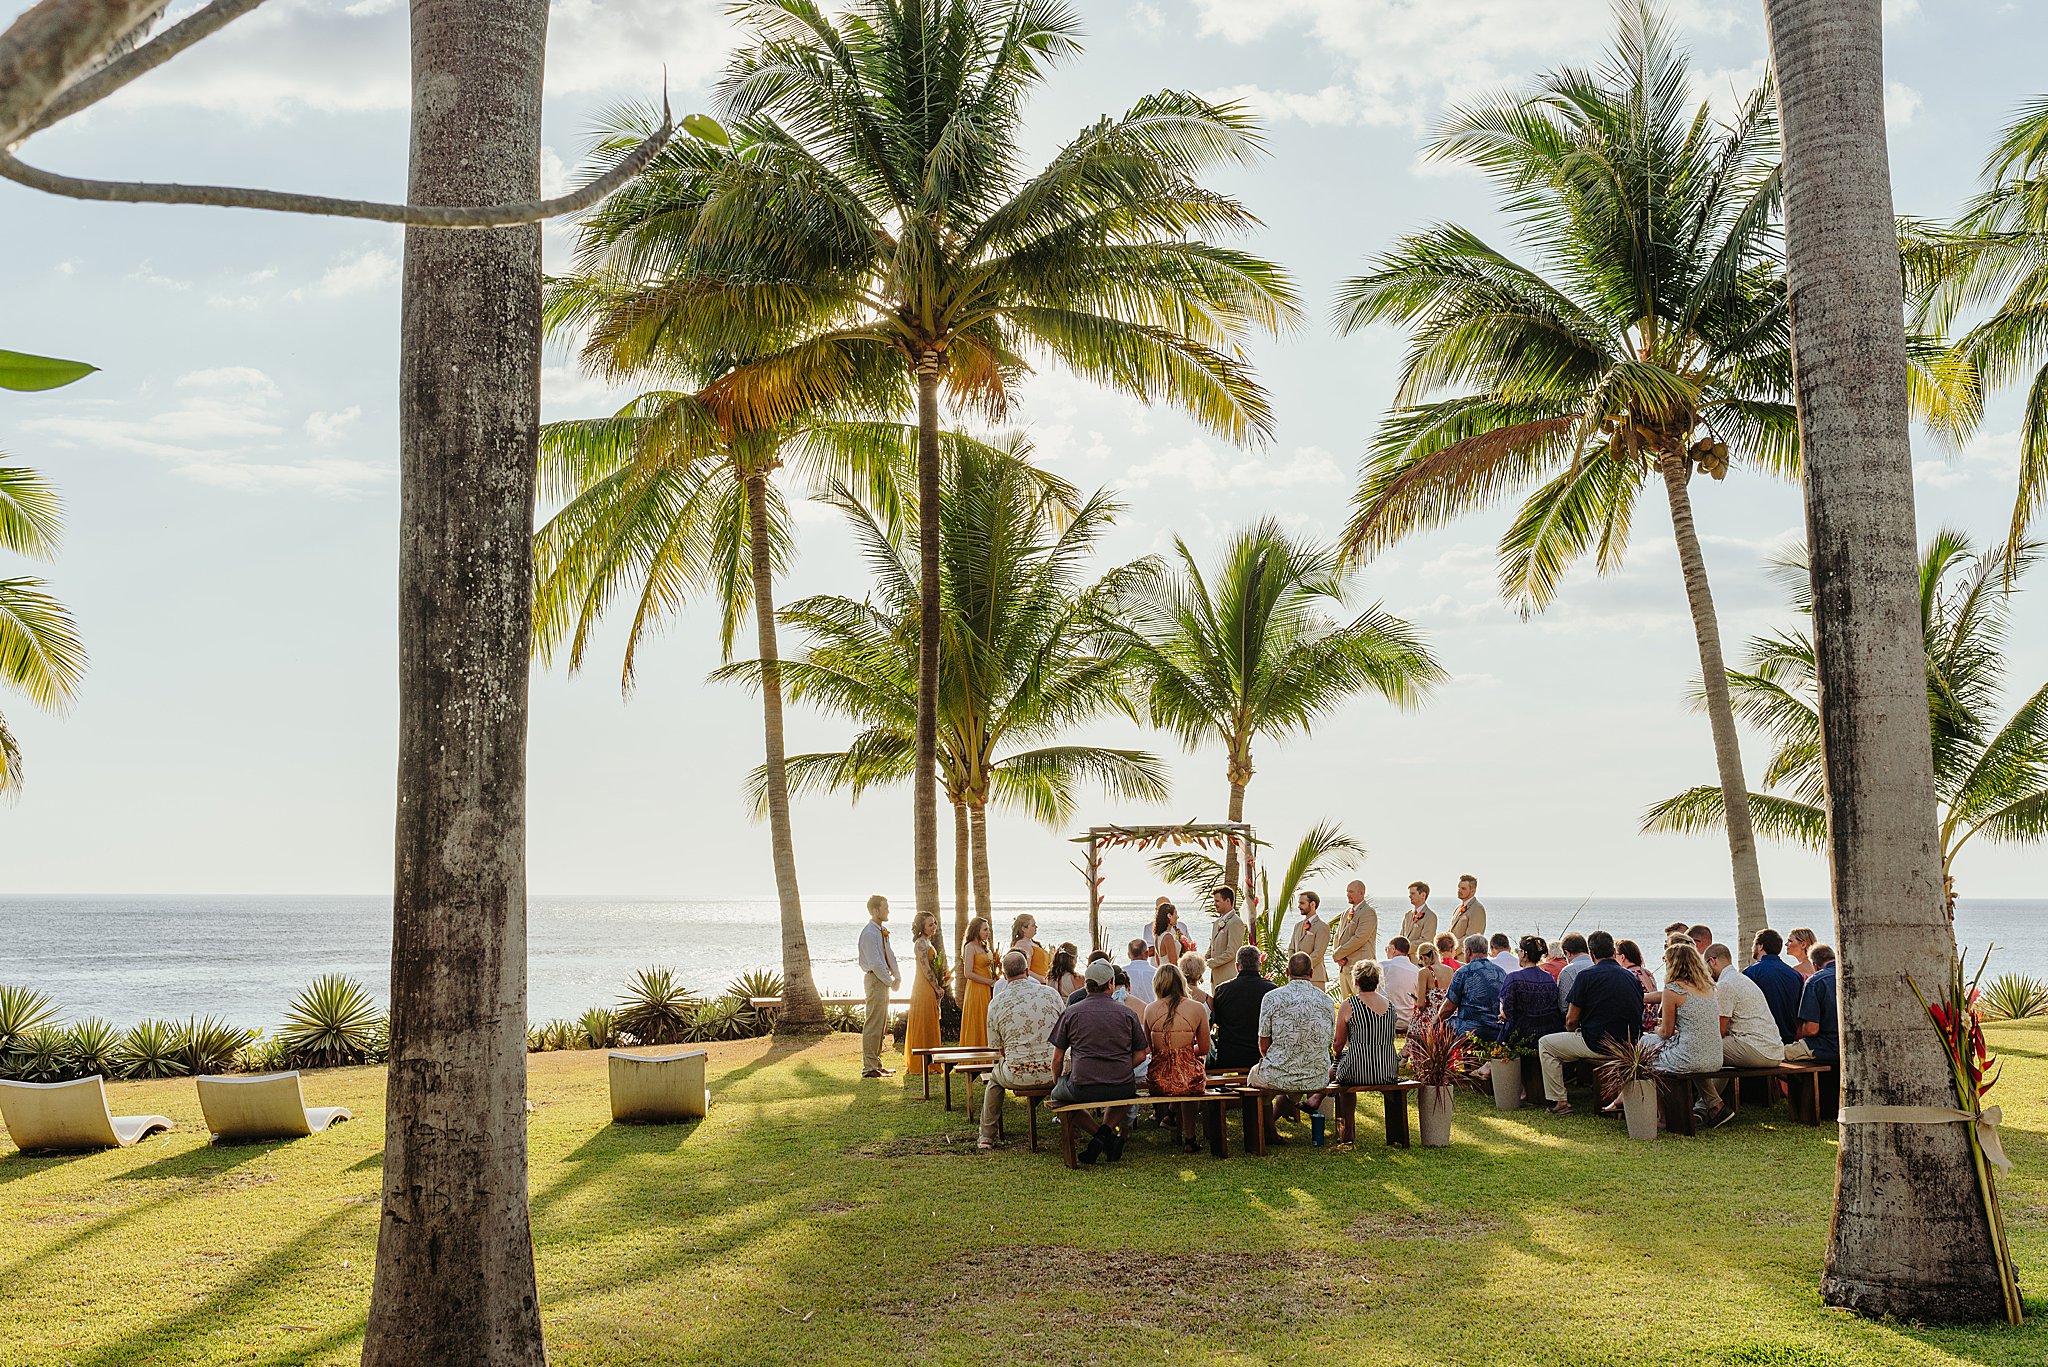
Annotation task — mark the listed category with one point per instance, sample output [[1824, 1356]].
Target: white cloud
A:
[[1994, 456], [1901, 103], [365, 268], [148, 274], [328, 428], [1205, 470]]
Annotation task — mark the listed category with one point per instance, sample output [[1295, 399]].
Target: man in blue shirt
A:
[[1820, 1022], [1780, 982], [1605, 1003], [1474, 994]]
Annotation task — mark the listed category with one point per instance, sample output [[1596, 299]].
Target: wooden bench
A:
[[948, 1057], [1677, 1092], [970, 1071], [1212, 1104], [1030, 1096], [1259, 1104]]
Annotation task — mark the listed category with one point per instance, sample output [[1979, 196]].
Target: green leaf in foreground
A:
[[21, 371]]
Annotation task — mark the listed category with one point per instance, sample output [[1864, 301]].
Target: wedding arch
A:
[[1217, 835]]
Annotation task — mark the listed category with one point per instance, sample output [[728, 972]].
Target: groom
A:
[[1224, 941]]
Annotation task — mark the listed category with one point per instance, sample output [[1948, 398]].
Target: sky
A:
[[230, 479]]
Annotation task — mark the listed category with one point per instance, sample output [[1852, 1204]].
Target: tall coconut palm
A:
[[1909, 1236], [1019, 657], [1990, 777], [1252, 650], [1642, 337], [663, 502], [41, 656], [887, 203]]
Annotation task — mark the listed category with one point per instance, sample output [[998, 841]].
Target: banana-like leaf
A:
[[26, 373]]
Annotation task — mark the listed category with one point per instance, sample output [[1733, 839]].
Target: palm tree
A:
[[1252, 651], [1909, 1236], [1648, 337], [1019, 663], [886, 207], [664, 501], [1991, 778], [41, 656]]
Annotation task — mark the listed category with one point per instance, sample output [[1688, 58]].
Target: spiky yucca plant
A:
[[42, 1054], [333, 1021], [844, 1018], [208, 1044], [655, 1008], [2014, 997], [22, 1009], [149, 1049], [94, 1046], [597, 1028]]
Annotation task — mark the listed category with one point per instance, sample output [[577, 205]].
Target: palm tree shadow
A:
[[207, 1160]]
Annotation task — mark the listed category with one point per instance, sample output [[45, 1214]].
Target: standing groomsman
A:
[[1357, 934], [1224, 941], [1311, 936], [1419, 925], [1470, 917]]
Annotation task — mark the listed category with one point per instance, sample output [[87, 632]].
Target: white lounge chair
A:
[[262, 1106], [70, 1116], [652, 1088]]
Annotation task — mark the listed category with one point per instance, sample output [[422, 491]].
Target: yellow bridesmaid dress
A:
[[922, 1029], [1041, 961], [974, 999]]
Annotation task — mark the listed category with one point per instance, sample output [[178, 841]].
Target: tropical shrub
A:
[[332, 1022], [725, 1018], [847, 1018], [265, 1054], [2014, 997], [758, 982], [536, 1039], [22, 1009], [42, 1054], [208, 1044], [150, 1049], [656, 1009], [560, 1035], [597, 1028], [94, 1046]]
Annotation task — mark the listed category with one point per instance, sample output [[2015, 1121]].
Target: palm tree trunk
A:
[[1909, 1236], [1750, 916], [978, 814], [961, 861], [802, 1012], [454, 1282], [1236, 813], [925, 787]]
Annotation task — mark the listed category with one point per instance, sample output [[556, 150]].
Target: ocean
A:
[[243, 957]]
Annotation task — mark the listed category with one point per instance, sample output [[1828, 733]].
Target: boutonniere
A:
[[885, 930]]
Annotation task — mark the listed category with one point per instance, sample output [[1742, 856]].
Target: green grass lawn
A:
[[816, 1217]]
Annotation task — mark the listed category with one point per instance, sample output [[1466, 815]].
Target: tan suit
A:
[[1224, 942], [1468, 919], [1312, 937], [1355, 937], [1419, 925]]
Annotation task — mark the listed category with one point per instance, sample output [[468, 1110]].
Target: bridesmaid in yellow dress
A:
[[978, 969], [927, 985], [1024, 938]]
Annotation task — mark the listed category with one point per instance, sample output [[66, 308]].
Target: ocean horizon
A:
[[243, 957]]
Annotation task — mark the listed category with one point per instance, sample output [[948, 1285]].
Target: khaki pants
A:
[[1737, 1054], [992, 1099], [1798, 1051], [877, 1023], [1257, 1078], [1555, 1051]]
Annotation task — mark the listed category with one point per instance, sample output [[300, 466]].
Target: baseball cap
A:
[[1102, 973]]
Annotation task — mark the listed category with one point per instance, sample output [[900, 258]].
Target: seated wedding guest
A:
[[1605, 1002], [1192, 969], [1234, 1012], [1024, 939], [1447, 951], [1296, 1029], [1398, 975], [1529, 1004], [1554, 961], [1432, 984], [1095, 956], [1749, 1033], [1690, 1028], [1701, 936], [1799, 944], [1105, 1043], [1178, 1031], [1365, 1034], [1576, 961], [1503, 953], [1820, 1019], [1065, 975], [1780, 982], [1631, 955], [1472, 1004], [1140, 969], [1020, 1023]]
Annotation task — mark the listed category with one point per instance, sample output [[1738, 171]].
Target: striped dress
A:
[[1369, 1057]]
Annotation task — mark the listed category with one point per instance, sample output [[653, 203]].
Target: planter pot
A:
[[1433, 1105], [1507, 1083], [1639, 1105]]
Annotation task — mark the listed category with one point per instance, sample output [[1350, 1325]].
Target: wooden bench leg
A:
[[1031, 1119], [1219, 1136], [927, 1079], [1802, 1098], [949, 1086], [1397, 1117], [1347, 1117], [1675, 1098], [1067, 1128], [999, 1108]]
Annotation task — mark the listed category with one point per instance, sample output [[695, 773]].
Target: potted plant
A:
[[1436, 1059], [1629, 1069], [1504, 1070]]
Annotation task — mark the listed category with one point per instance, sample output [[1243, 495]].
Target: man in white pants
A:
[[1749, 1032], [878, 969], [1020, 1025]]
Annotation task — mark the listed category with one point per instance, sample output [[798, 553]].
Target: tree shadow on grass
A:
[[208, 1160]]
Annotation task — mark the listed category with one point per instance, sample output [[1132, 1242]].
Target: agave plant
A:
[[759, 982], [560, 1035], [597, 1028], [208, 1044], [150, 1049], [725, 1018], [536, 1039], [22, 1009], [40, 1055], [2014, 997], [95, 1047], [655, 1008], [844, 1018], [332, 1022], [264, 1054]]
